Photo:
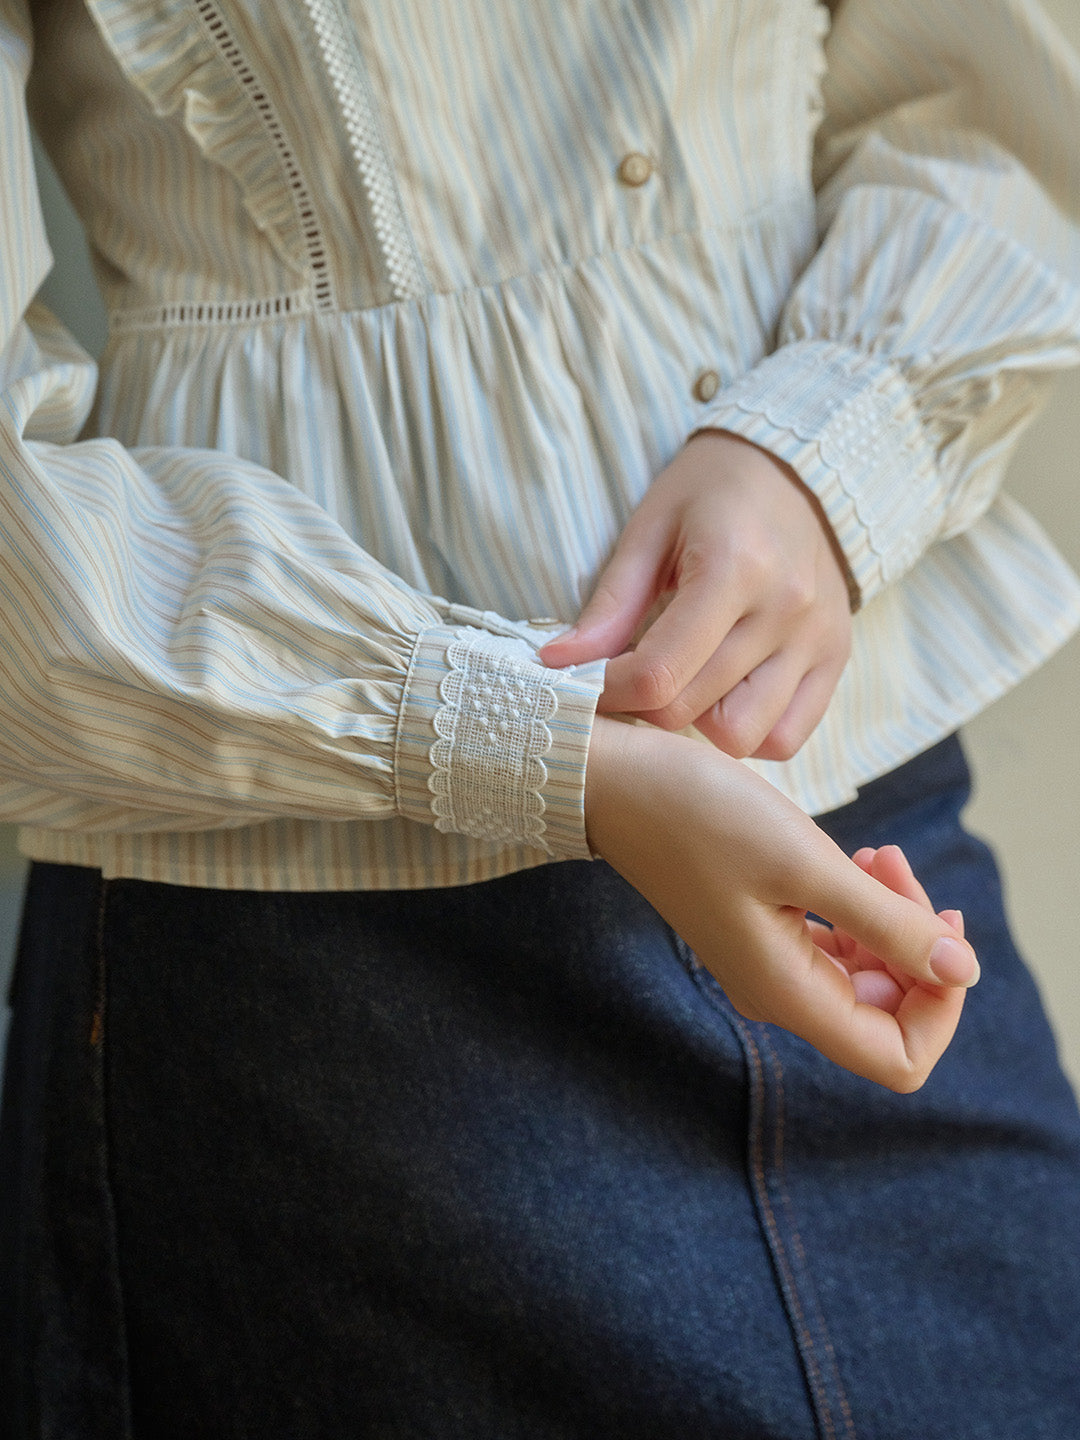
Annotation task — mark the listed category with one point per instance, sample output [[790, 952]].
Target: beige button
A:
[[706, 385], [634, 169]]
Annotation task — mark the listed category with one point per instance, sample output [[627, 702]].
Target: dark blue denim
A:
[[501, 1163]]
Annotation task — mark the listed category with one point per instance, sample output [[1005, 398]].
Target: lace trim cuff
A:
[[847, 423], [491, 744]]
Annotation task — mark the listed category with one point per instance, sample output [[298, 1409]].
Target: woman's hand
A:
[[733, 866], [875, 982], [755, 628]]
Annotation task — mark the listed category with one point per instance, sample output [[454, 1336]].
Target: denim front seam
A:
[[65, 1366], [765, 1172]]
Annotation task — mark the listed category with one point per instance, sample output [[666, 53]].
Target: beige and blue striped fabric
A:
[[408, 304]]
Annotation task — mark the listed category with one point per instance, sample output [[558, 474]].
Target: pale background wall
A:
[[1024, 750]]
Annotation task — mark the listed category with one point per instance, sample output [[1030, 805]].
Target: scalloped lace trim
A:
[[864, 433], [488, 770]]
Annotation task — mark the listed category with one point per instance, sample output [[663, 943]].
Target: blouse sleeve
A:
[[189, 642], [911, 353]]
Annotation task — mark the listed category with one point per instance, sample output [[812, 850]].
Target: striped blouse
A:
[[408, 303]]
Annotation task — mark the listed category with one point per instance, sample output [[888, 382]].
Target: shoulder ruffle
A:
[[186, 61]]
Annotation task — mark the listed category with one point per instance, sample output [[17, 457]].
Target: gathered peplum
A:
[[408, 305]]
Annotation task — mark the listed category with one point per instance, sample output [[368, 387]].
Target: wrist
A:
[[643, 784], [627, 774], [606, 766], [721, 439]]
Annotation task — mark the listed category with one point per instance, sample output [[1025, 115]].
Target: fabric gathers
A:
[[401, 329]]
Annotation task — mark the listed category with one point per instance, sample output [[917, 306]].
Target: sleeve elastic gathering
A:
[[911, 354], [191, 643]]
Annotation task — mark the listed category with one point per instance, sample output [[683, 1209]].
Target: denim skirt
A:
[[501, 1162]]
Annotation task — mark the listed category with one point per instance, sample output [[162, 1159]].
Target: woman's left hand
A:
[[755, 628]]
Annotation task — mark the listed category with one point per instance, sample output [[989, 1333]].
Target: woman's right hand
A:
[[734, 866]]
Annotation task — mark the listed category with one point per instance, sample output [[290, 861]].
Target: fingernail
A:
[[898, 851], [953, 962], [558, 639]]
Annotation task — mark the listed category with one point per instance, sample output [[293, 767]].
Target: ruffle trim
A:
[[799, 57], [488, 770], [183, 58], [818, 25]]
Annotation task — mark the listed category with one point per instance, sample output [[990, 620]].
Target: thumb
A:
[[626, 589], [898, 930]]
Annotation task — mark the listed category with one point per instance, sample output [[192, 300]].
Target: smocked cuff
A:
[[847, 424], [492, 745]]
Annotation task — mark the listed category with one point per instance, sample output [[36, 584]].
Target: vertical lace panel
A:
[[344, 63]]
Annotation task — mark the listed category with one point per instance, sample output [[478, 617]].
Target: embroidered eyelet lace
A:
[[223, 40], [337, 46], [488, 769]]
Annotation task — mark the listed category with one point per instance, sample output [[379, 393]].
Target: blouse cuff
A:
[[847, 423], [490, 743]]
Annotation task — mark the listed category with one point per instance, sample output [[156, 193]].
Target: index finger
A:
[[673, 649]]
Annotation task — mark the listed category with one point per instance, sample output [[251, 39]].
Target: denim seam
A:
[[788, 1282], [795, 1238], [98, 1039], [97, 1022]]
